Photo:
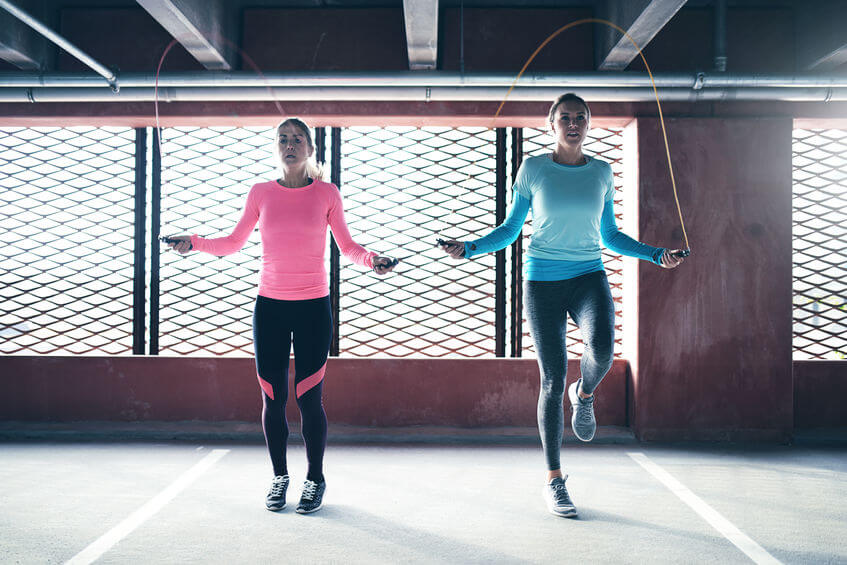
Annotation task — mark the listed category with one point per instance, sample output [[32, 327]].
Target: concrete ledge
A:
[[461, 393], [821, 437], [752, 435]]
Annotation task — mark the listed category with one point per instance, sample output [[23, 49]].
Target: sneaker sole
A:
[[568, 513], [580, 438], [564, 513], [304, 511], [274, 508]]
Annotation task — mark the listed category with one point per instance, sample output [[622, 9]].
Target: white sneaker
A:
[[557, 498]]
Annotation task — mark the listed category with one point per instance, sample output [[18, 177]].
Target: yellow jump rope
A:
[[687, 251], [684, 253]]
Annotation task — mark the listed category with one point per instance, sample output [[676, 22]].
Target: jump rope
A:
[[681, 253], [440, 242]]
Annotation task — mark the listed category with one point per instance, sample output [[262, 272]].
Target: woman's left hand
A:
[[670, 260], [383, 265]]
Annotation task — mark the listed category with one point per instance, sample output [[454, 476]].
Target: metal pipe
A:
[[238, 79], [385, 79], [60, 41], [416, 94]]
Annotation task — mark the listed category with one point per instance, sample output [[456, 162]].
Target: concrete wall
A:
[[820, 388], [364, 392], [712, 354]]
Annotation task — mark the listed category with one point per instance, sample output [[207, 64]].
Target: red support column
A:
[[713, 357]]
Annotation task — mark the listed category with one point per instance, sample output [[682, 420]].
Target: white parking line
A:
[[116, 534], [753, 550]]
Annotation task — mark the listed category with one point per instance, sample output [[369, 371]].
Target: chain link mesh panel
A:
[[820, 244], [605, 144], [206, 301], [403, 188], [67, 232]]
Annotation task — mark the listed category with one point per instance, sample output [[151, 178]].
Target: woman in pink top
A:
[[292, 213]]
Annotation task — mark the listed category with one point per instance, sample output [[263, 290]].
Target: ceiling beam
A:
[[821, 41], [20, 45], [199, 25], [421, 33], [831, 60], [642, 20]]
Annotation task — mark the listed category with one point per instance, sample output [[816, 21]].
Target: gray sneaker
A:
[[557, 498], [582, 421], [276, 495], [312, 497]]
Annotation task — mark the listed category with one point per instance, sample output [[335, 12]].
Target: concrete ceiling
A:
[[203, 27]]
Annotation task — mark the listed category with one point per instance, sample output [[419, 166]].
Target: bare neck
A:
[[565, 155], [294, 177]]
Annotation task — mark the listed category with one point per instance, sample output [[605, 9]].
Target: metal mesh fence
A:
[[69, 196], [403, 188], [67, 232], [605, 144], [206, 301], [68, 208], [820, 244]]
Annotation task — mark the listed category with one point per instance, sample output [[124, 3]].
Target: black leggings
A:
[[588, 300], [309, 322]]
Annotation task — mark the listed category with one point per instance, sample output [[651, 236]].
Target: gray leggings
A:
[[588, 300]]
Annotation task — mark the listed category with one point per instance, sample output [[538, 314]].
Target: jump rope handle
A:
[[442, 243], [165, 239]]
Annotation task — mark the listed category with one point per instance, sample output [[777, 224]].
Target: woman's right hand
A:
[[671, 259], [453, 248], [182, 245]]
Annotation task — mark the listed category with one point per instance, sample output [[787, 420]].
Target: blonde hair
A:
[[568, 97], [313, 169]]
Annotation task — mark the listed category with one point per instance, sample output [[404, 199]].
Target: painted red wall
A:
[[364, 392], [714, 347]]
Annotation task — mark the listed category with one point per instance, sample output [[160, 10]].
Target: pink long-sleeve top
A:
[[292, 224]]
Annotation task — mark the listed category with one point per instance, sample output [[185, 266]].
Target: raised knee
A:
[[605, 361], [602, 354]]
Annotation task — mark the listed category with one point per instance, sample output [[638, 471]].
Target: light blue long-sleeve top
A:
[[572, 210]]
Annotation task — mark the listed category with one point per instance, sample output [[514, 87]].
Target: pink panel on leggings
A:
[[266, 386], [309, 382]]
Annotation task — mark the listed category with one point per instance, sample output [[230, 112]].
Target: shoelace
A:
[[585, 414], [585, 403], [309, 488], [561, 494], [278, 486]]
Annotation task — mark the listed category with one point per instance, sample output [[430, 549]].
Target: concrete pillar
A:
[[713, 357]]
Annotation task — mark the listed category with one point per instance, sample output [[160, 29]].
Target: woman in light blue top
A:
[[571, 198]]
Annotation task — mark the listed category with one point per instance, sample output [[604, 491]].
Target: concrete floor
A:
[[420, 504]]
